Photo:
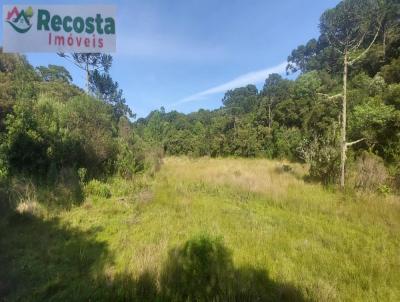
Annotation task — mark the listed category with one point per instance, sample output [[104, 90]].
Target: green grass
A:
[[207, 229]]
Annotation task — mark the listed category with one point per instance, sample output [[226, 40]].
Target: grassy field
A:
[[207, 229]]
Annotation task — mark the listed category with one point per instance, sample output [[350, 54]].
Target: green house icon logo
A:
[[20, 20]]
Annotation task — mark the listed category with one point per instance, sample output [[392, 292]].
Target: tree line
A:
[[341, 114]]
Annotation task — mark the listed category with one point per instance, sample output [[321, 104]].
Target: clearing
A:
[[247, 229]]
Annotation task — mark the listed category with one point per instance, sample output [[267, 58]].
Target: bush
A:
[[323, 156], [88, 128], [130, 159], [48, 134], [154, 160], [125, 162], [370, 173], [97, 188]]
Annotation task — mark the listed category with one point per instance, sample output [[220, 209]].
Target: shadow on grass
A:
[[200, 270], [49, 261], [289, 170], [44, 260]]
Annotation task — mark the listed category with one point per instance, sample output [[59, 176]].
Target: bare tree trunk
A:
[[384, 42], [87, 77], [344, 121]]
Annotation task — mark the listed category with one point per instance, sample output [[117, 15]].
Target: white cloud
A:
[[156, 46], [253, 77]]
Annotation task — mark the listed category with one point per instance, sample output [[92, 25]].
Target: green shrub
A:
[[323, 156], [286, 141], [130, 159], [47, 134], [97, 188], [89, 130]]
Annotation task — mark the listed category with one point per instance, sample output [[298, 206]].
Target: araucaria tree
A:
[[351, 28], [89, 62]]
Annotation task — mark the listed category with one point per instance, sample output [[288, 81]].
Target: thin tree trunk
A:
[[384, 42], [87, 77], [344, 121]]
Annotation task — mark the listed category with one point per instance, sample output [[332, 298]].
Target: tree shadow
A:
[[45, 260], [200, 270]]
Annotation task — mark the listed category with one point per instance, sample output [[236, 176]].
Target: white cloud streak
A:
[[162, 47], [253, 77]]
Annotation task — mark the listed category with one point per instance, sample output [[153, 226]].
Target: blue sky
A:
[[184, 54]]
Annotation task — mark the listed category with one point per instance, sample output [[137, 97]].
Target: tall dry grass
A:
[[274, 178], [280, 182]]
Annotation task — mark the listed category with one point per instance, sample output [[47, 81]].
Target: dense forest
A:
[[300, 119]]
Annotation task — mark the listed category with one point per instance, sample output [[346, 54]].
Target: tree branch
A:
[[69, 59], [355, 142], [333, 45], [370, 45], [357, 45], [331, 97]]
